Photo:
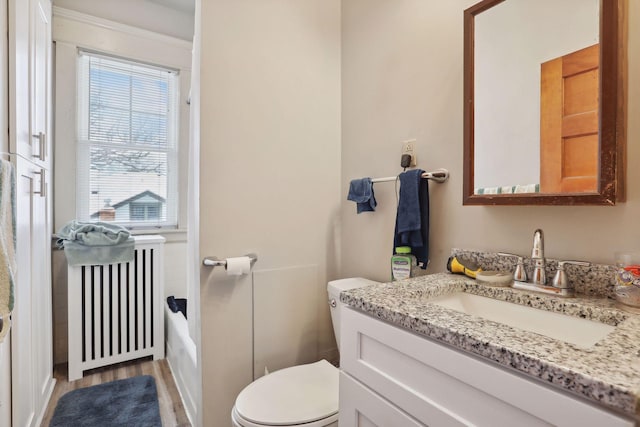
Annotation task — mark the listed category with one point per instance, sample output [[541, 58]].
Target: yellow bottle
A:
[[463, 266]]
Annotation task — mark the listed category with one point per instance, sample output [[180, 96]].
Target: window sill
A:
[[172, 235]]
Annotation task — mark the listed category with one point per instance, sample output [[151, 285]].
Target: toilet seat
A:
[[238, 421], [305, 394]]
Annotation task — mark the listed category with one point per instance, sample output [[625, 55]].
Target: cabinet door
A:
[[22, 329], [360, 407], [30, 78], [40, 81], [31, 337], [41, 304], [19, 131], [29, 111]]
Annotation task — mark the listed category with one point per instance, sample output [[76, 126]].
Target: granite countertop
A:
[[607, 373]]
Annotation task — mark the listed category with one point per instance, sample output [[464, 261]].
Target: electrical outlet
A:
[[408, 147]]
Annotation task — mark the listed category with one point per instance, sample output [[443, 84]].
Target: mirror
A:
[[544, 92]]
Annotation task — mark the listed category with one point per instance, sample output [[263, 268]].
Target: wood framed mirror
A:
[[545, 102]]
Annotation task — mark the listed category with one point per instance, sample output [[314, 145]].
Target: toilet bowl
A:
[[304, 395]]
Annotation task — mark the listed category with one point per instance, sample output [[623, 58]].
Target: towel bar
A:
[[438, 175]]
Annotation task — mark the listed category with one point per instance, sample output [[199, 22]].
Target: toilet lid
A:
[[296, 395]]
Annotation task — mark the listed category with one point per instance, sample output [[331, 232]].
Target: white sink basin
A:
[[581, 332]]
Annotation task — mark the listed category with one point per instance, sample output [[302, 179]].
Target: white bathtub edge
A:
[[181, 356]]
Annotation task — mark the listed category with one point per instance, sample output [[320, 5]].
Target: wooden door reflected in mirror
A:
[[569, 122], [544, 92]]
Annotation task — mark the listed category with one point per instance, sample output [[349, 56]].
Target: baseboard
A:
[[47, 393]]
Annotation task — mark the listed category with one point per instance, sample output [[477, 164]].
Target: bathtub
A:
[[181, 355]]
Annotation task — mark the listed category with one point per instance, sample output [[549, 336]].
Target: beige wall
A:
[[402, 77], [269, 175], [270, 156]]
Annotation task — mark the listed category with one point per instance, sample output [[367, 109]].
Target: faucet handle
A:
[[520, 274], [560, 280]]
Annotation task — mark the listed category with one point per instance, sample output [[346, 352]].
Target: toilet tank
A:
[[333, 289]]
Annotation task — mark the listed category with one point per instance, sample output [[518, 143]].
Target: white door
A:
[[31, 335], [42, 339], [29, 111], [22, 351], [39, 69], [19, 95], [41, 304], [193, 256]]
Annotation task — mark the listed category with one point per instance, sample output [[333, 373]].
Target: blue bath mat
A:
[[131, 402]]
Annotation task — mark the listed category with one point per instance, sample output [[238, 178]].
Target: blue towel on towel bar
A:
[[91, 243], [361, 192], [8, 264], [412, 218]]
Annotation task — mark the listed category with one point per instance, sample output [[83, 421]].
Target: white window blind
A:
[[127, 148]]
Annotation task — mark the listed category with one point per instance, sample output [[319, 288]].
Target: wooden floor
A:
[[171, 409]]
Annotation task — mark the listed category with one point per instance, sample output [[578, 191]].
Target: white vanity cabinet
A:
[[393, 377]]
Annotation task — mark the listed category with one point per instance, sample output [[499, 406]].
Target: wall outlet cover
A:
[[408, 147]]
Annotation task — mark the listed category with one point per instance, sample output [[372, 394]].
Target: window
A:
[[145, 211], [127, 147]]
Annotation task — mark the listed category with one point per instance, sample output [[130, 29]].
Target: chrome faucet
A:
[[561, 285], [539, 276]]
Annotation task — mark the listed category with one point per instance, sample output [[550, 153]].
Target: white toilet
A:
[[300, 395]]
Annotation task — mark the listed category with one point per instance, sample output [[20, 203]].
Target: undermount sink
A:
[[581, 332]]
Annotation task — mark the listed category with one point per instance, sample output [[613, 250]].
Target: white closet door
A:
[[19, 94], [22, 329], [40, 80], [41, 232], [29, 107]]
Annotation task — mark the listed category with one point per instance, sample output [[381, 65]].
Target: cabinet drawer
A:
[[439, 385], [360, 407]]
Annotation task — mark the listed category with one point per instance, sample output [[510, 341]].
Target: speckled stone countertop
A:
[[607, 373]]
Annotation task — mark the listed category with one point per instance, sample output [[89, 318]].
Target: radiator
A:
[[116, 310]]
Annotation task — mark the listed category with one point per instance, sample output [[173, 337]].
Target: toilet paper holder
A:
[[212, 261]]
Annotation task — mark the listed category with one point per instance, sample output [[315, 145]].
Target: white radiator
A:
[[116, 310]]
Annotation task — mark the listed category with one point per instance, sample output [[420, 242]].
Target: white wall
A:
[[402, 77], [269, 179], [144, 14]]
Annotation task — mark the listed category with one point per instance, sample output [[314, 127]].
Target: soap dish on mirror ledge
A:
[[494, 278]]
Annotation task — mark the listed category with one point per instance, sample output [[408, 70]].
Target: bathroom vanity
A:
[[408, 359]]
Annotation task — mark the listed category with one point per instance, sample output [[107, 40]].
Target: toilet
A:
[[304, 395]]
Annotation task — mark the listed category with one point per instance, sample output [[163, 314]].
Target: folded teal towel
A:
[[8, 265], [90, 243], [79, 254], [93, 233]]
